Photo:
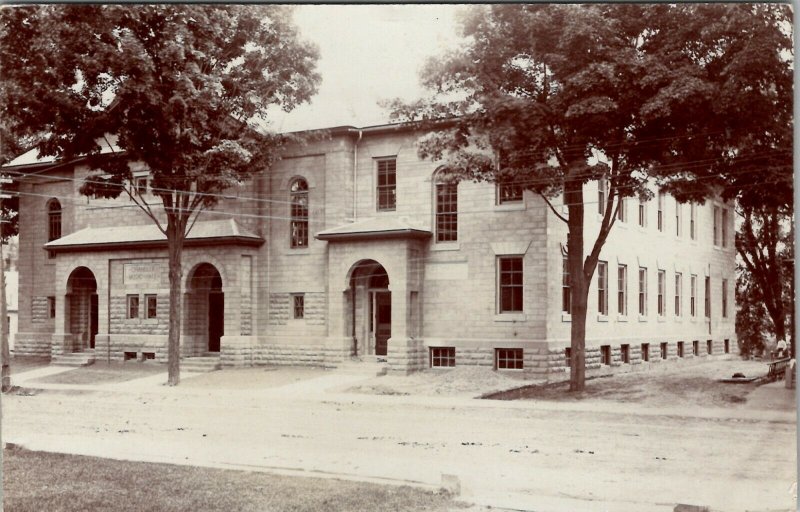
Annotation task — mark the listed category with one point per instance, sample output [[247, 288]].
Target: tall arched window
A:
[[446, 208], [54, 219], [298, 197]]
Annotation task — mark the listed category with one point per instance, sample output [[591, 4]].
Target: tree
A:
[[182, 87], [553, 97]]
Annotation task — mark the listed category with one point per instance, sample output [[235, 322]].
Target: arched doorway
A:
[[370, 308], [206, 305], [81, 308]]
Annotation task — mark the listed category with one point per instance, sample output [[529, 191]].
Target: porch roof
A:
[[213, 232], [375, 228]]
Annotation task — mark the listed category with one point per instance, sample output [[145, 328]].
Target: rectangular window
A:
[[446, 212], [693, 221], [724, 227], [151, 303], [642, 213], [51, 307], [509, 193], [622, 214], [678, 292], [642, 291], [133, 306], [727, 346], [605, 355], [508, 358], [622, 289], [510, 284], [724, 298], [386, 191], [660, 219], [566, 297], [707, 298], [443, 357], [709, 347], [625, 353], [602, 193], [645, 352], [678, 218], [716, 225], [602, 287], [662, 286], [140, 185], [568, 356], [298, 306], [664, 350], [696, 348], [693, 295], [680, 349]]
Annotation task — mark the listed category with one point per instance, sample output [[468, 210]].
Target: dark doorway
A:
[[216, 320], [93, 319], [383, 321]]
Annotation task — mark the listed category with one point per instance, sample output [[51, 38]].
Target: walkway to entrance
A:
[[205, 310], [369, 309]]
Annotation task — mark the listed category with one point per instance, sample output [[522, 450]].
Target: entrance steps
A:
[[76, 359], [372, 366], [200, 364]]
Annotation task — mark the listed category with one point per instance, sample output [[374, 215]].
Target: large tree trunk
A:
[[573, 196], [6, 354], [175, 238]]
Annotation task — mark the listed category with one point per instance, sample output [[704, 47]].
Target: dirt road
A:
[[530, 456]]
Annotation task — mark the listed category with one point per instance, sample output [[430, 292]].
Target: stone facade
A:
[[366, 282]]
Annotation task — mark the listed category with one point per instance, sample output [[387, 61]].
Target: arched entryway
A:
[[205, 315], [369, 308], [81, 308]]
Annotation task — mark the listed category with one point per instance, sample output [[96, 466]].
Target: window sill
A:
[[622, 318], [510, 207], [602, 318], [678, 319], [446, 246], [566, 317], [661, 318], [299, 251], [642, 318], [510, 317]]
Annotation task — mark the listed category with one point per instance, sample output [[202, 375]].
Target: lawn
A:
[[105, 373], [35, 481], [691, 384], [259, 377], [21, 364]]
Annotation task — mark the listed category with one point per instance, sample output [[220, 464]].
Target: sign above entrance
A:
[[141, 273]]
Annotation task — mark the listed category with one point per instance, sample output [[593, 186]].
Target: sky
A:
[[367, 53]]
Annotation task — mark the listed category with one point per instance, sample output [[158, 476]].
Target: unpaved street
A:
[[530, 455]]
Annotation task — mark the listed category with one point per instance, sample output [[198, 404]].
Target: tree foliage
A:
[[181, 88], [554, 96]]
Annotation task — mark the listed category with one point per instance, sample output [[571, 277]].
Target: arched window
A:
[[446, 208], [298, 197], [54, 219]]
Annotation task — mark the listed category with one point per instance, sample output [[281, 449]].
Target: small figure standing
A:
[[780, 349]]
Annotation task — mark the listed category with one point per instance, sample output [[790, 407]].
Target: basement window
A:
[[148, 356], [645, 352], [695, 348], [605, 355], [127, 356], [625, 353], [727, 346], [508, 358], [709, 347], [680, 349], [568, 356], [664, 350], [443, 357]]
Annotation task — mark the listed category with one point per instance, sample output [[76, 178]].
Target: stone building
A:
[[352, 246]]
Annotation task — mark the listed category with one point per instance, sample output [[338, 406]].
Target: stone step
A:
[[73, 359], [368, 366], [201, 364]]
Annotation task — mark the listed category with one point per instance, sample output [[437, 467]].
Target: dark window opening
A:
[[680, 349], [446, 212], [605, 355], [645, 352], [510, 282], [298, 306], [386, 190], [664, 350], [298, 197], [443, 357], [508, 359], [625, 353]]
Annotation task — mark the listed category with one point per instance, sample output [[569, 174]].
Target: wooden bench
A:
[[777, 368]]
